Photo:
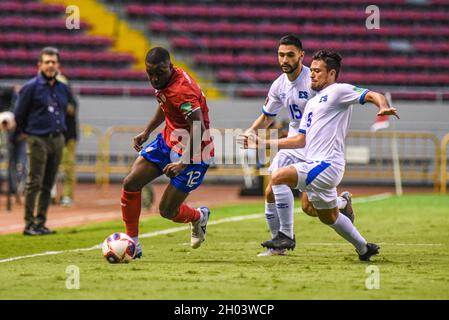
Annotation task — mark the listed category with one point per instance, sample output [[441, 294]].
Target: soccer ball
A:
[[119, 248]]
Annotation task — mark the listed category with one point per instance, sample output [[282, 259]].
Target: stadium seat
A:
[[236, 40]]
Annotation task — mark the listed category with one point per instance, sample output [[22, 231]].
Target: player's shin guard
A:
[[272, 218], [284, 206], [344, 227], [131, 203], [186, 214]]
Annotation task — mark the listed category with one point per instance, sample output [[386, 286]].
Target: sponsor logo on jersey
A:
[[303, 95], [357, 89], [186, 108], [323, 99]]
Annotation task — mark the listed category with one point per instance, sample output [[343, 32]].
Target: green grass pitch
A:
[[413, 232]]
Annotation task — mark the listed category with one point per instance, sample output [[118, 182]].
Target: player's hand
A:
[[139, 140], [249, 132], [171, 170], [389, 111], [244, 140], [248, 141]]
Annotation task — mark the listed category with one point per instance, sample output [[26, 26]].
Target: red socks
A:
[[186, 214], [131, 206]]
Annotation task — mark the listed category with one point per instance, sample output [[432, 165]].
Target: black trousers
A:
[[44, 156]]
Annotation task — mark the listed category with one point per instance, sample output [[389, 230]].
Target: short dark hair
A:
[[49, 51], [157, 55], [291, 40], [331, 58]]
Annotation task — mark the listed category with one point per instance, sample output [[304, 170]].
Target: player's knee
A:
[[277, 178], [167, 210], [129, 184], [308, 209]]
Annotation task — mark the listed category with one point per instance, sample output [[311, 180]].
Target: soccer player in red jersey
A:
[[183, 107]]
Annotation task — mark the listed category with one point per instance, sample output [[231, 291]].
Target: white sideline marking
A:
[[48, 253], [145, 235], [377, 197], [374, 197]]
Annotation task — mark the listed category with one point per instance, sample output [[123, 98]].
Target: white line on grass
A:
[[145, 235], [225, 220]]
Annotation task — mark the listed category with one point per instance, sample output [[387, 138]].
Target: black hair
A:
[[331, 58], [291, 40], [157, 55], [50, 51]]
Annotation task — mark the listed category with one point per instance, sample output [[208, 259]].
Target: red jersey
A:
[[181, 97]]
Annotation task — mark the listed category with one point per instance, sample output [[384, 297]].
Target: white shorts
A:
[[320, 180], [284, 158]]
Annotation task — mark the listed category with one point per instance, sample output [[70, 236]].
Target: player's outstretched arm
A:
[[293, 142], [155, 122], [382, 103], [262, 122]]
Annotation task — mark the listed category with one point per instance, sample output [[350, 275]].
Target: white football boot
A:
[[198, 228], [272, 252]]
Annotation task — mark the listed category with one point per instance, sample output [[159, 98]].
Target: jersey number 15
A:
[[295, 112]]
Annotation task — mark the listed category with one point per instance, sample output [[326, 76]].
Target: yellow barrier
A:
[[85, 165], [419, 159], [419, 156], [122, 167], [444, 172]]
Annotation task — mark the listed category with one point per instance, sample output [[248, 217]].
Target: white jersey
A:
[[292, 96], [326, 121]]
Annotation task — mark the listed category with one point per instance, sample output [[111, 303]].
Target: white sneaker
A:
[[272, 252], [198, 228]]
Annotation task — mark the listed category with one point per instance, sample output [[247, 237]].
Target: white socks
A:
[[284, 206], [341, 203], [272, 218], [346, 229]]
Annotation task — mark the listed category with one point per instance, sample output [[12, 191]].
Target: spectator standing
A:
[[40, 116]]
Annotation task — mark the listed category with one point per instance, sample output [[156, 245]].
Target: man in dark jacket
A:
[[40, 116]]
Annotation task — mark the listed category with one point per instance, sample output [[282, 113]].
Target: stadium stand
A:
[[234, 42], [237, 39], [28, 26]]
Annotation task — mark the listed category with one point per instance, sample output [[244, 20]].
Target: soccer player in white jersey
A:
[[290, 91], [322, 133]]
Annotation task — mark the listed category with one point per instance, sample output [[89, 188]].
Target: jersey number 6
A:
[[309, 119]]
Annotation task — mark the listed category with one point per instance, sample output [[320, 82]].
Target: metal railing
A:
[[419, 156], [86, 163], [422, 157]]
